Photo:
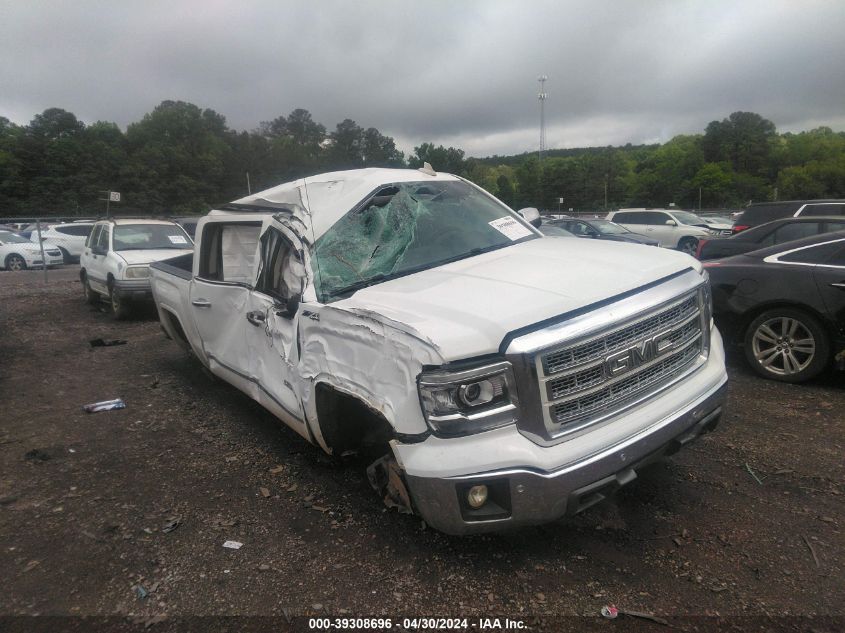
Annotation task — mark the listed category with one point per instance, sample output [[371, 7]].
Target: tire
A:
[[91, 296], [119, 307], [688, 245], [66, 258], [787, 344], [15, 262]]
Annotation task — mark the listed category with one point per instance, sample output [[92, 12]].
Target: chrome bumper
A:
[[525, 496]]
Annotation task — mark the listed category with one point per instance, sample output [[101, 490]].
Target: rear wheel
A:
[[66, 258], [688, 245], [15, 262], [90, 296], [787, 344]]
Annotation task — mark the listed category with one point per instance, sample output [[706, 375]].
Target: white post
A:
[[41, 244]]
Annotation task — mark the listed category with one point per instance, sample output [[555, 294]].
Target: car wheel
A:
[[688, 245], [66, 258], [15, 262], [119, 306], [90, 296], [787, 344]]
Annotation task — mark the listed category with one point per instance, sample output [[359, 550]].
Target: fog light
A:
[[477, 496]]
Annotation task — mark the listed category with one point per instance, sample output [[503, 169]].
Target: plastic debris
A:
[[171, 525], [233, 545], [98, 342], [753, 474], [105, 405], [140, 592], [611, 613]]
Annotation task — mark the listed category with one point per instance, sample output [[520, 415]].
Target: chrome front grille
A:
[[594, 376]]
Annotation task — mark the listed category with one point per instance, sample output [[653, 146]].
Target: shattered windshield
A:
[[408, 227]]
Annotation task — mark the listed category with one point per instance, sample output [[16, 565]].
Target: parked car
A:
[[496, 378], [115, 263], [549, 229], [70, 238], [188, 222], [763, 212], [768, 234], [671, 229], [18, 253], [718, 223], [785, 305], [602, 230]]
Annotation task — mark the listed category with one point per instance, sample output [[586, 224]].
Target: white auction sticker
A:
[[509, 227], [177, 239]]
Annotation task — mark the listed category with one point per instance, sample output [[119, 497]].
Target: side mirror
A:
[[671, 223], [532, 215]]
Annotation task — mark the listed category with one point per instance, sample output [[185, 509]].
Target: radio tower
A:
[[541, 96]]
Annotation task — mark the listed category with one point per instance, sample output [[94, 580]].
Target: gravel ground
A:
[[124, 513]]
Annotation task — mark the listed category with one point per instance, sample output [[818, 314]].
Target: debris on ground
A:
[[812, 550], [105, 405], [265, 492], [753, 474], [37, 455], [140, 592], [386, 479], [233, 544], [98, 342], [171, 524], [612, 612]]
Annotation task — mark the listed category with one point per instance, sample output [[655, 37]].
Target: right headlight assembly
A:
[[470, 400]]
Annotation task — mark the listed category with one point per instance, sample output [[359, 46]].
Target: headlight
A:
[[137, 272], [469, 401]]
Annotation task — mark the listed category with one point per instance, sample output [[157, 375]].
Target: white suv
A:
[[70, 238], [115, 263], [671, 228]]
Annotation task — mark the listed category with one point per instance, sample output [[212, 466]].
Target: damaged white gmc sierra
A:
[[501, 378]]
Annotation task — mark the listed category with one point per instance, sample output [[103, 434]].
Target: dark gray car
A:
[[602, 230]]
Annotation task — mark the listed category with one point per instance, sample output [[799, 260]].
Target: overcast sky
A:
[[458, 72]]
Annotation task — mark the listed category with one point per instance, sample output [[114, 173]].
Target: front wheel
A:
[[15, 262], [688, 245], [66, 258], [787, 344], [119, 306]]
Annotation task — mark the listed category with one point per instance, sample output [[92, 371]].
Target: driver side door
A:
[[272, 319]]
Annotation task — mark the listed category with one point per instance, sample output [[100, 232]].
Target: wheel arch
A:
[[747, 317], [350, 422]]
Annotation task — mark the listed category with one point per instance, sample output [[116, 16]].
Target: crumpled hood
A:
[[152, 255], [467, 307]]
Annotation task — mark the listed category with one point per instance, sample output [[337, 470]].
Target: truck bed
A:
[[180, 266]]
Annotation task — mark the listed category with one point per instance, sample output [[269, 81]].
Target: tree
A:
[[745, 139], [446, 159]]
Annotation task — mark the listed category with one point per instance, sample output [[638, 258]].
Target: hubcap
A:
[[15, 263], [689, 247], [783, 346]]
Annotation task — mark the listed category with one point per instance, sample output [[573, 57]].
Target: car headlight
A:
[[469, 401], [137, 272]]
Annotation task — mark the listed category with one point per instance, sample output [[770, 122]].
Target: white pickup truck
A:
[[502, 378]]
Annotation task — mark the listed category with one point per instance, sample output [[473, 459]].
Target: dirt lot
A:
[[87, 502]]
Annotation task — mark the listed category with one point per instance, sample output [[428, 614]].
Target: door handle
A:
[[256, 318], [201, 303], [840, 285]]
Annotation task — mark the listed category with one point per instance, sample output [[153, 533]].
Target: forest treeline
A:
[[183, 159]]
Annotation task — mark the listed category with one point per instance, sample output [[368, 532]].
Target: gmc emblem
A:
[[639, 354]]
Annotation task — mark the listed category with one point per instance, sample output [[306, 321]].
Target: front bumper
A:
[[528, 496], [134, 289]]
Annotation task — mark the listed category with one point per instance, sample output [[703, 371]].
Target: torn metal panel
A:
[[366, 358], [386, 478]]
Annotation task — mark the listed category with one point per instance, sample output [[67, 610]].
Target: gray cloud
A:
[[461, 74]]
